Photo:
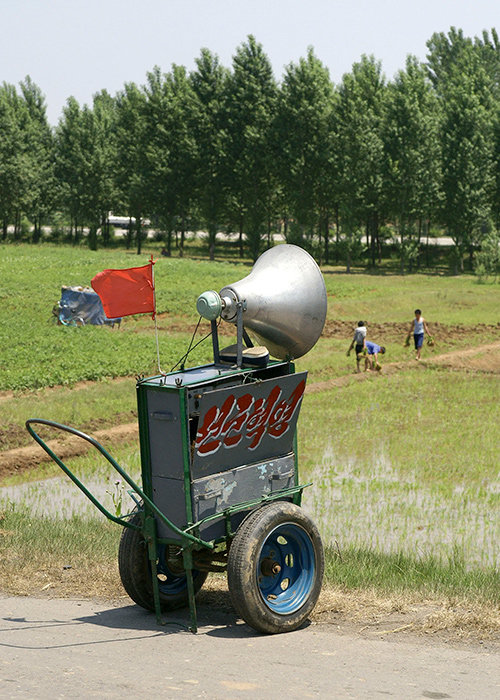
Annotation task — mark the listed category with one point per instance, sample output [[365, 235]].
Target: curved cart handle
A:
[[120, 520]]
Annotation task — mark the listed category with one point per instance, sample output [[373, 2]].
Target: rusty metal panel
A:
[[216, 492], [219, 491], [250, 423]]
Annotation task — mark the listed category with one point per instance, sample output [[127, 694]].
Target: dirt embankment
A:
[[482, 359], [13, 435], [25, 458], [398, 331]]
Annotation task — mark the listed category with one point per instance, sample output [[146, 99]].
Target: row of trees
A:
[[233, 150]]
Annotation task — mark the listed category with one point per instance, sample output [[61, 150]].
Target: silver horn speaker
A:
[[283, 301]]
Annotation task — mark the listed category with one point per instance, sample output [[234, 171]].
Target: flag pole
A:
[[154, 314]]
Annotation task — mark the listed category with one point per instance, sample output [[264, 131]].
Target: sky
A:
[[79, 47]]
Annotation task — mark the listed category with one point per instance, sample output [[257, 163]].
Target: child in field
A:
[[371, 359], [358, 342], [418, 327]]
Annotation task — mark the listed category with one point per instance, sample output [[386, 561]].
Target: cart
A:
[[220, 489]]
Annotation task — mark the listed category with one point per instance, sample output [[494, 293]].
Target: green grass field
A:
[[37, 353], [405, 465]]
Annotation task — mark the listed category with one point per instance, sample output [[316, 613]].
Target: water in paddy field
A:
[[387, 512], [379, 509], [59, 498]]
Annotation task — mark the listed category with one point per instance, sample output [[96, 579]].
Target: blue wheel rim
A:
[[170, 582], [286, 568]]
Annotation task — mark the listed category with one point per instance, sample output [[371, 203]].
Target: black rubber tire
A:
[[135, 572], [243, 563]]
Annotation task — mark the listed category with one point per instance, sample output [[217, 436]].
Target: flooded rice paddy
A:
[[380, 509]]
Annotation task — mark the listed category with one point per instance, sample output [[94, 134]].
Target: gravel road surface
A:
[[58, 648]]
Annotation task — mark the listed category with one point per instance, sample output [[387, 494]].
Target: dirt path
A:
[[469, 352], [484, 358], [84, 649]]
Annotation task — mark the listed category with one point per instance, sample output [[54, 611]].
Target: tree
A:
[[209, 128], [39, 144], [251, 104], [487, 261], [489, 49], [464, 88], [496, 165], [14, 161], [132, 177], [172, 152], [412, 142], [362, 153], [307, 139], [105, 157], [85, 162], [69, 162], [98, 156]]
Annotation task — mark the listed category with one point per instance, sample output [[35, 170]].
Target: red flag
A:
[[126, 292]]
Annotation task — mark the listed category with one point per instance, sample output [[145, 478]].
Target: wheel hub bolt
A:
[[269, 567]]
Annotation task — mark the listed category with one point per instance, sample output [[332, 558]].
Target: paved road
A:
[[82, 649]]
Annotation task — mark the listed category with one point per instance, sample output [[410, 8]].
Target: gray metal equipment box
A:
[[214, 436]]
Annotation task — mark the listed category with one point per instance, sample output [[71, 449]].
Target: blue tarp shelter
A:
[[81, 306]]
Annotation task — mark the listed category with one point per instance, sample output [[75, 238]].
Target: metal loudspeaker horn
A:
[[282, 302]]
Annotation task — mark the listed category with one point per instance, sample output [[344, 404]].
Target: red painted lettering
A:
[[247, 418]]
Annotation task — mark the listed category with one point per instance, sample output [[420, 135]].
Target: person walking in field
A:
[[418, 328], [371, 358], [358, 343]]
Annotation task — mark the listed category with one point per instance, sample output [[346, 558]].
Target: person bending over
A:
[[371, 359]]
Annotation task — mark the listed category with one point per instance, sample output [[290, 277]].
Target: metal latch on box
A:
[[283, 475], [207, 496]]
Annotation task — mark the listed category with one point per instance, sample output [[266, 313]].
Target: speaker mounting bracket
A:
[[239, 333]]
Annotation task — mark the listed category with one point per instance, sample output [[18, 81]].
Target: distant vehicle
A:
[[125, 221], [121, 221]]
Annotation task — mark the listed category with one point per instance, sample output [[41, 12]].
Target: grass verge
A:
[[75, 556], [378, 594], [399, 573]]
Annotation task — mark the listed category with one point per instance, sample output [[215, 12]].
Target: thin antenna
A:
[[156, 323]]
